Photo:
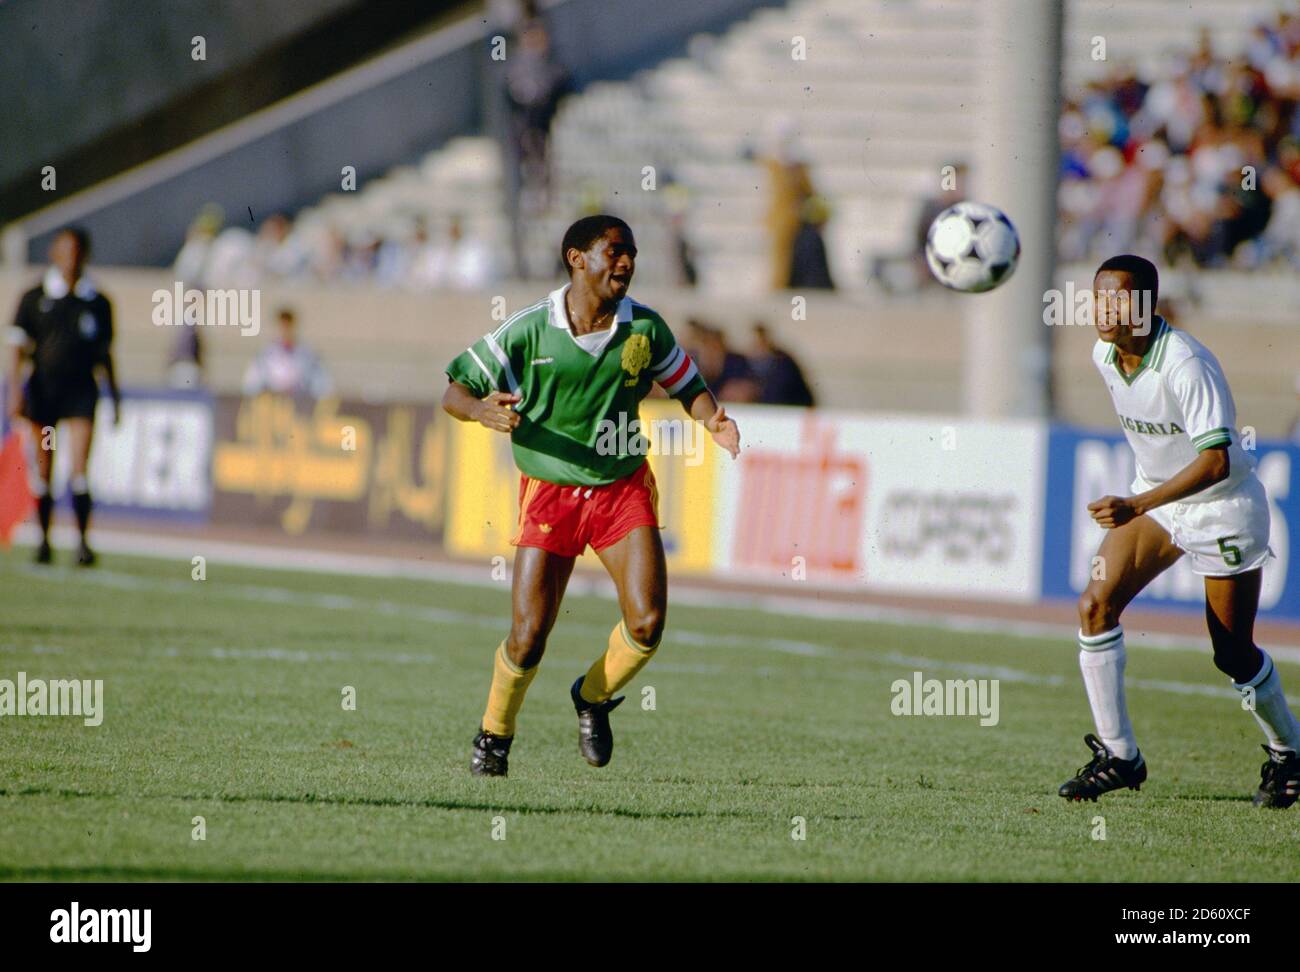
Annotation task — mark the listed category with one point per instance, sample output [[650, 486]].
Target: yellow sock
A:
[[509, 683], [618, 666]]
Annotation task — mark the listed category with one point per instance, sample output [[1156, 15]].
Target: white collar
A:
[[559, 316], [57, 288]]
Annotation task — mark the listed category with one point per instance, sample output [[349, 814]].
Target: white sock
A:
[[1271, 710], [1101, 659]]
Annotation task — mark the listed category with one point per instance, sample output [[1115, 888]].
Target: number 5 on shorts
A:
[[1231, 554]]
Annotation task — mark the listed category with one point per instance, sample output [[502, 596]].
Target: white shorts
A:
[[1223, 536]]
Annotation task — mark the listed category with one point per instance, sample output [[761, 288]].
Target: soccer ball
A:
[[972, 247]]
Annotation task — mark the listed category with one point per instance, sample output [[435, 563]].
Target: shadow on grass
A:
[[428, 803], [45, 873], [1215, 798]]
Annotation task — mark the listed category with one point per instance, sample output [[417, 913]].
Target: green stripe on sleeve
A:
[[1202, 445], [1212, 433], [1212, 438]]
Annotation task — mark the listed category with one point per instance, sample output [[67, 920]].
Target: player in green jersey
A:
[[556, 377]]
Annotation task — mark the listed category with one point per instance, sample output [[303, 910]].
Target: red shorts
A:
[[565, 519]]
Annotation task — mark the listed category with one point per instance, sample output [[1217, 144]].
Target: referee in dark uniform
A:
[[65, 327]]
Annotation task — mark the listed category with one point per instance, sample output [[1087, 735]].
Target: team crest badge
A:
[[88, 327], [636, 355]]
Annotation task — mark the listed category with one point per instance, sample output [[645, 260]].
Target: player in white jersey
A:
[[1196, 493]]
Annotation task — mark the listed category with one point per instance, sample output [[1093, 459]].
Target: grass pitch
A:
[[223, 700]]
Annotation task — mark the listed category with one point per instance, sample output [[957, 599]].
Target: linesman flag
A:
[[16, 500]]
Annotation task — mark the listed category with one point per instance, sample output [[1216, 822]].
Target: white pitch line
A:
[[308, 656], [347, 602], [1016, 675], [369, 565]]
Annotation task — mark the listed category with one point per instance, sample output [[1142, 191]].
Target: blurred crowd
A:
[[412, 256], [1193, 156], [768, 374], [1196, 158], [286, 365]]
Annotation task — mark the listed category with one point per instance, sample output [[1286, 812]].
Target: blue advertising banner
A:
[[154, 463], [1083, 465]]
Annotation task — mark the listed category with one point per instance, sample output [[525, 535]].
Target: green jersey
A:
[[579, 395]]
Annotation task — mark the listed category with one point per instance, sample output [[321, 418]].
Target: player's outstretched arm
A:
[[493, 411], [704, 408], [1210, 467]]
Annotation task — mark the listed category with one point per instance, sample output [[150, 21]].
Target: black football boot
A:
[[1279, 780], [1104, 773], [491, 755], [595, 740]]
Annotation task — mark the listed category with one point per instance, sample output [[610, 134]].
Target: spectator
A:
[[329, 257], [727, 372], [809, 268], [534, 85], [1193, 157], [779, 377], [1281, 237], [789, 187], [192, 261], [361, 256], [681, 254], [276, 254], [396, 254], [460, 262], [184, 367], [230, 260], [287, 367], [185, 358]]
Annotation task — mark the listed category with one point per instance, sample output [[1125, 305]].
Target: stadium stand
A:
[[869, 157]]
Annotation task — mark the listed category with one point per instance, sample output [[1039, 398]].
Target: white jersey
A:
[[1175, 406]]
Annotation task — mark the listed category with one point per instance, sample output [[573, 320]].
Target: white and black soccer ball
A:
[[972, 247]]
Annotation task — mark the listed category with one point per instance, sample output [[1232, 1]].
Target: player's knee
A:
[[1096, 615], [1239, 660], [646, 626], [526, 644]]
